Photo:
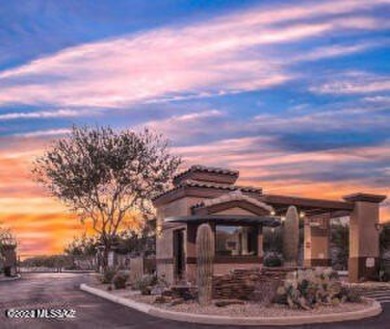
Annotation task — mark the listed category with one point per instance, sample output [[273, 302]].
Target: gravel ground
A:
[[250, 309], [246, 310], [368, 286]]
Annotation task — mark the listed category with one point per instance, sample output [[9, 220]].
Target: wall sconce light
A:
[[302, 214], [283, 218], [273, 213]]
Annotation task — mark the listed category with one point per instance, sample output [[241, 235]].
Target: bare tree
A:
[[103, 175]]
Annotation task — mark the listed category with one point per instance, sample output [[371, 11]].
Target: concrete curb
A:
[[373, 310], [142, 307], [6, 279]]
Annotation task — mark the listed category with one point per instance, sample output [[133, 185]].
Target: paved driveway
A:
[[61, 291]]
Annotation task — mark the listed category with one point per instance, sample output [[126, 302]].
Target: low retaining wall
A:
[[247, 284]]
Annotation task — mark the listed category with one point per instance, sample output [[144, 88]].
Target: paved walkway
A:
[[61, 290], [382, 295], [7, 279]]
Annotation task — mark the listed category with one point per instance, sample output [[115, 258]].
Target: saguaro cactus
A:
[[204, 266], [291, 237]]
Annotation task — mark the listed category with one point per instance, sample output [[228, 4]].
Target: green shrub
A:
[[108, 275], [120, 279], [307, 288]]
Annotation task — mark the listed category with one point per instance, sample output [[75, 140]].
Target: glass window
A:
[[235, 240]]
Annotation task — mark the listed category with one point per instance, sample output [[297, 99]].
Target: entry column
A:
[[364, 236], [316, 242]]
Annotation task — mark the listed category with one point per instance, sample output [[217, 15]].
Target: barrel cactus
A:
[[291, 237], [205, 256]]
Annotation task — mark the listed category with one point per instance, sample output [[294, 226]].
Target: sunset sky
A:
[[294, 94]]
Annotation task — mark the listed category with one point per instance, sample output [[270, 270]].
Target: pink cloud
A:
[[61, 113], [211, 57], [43, 133], [354, 83]]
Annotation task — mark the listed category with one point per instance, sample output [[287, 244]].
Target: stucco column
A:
[[244, 241], [10, 260], [364, 236], [260, 241], [316, 241], [191, 253]]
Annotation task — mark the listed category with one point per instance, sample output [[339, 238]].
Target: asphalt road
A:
[[61, 291]]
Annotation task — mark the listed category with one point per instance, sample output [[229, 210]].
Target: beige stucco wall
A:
[[363, 233], [164, 243], [363, 260], [179, 207], [235, 211], [316, 241], [191, 273], [164, 251], [166, 271]]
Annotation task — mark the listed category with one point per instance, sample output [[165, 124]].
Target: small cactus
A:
[[204, 269], [291, 237], [309, 288]]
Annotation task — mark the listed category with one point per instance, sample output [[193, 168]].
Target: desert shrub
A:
[[120, 279], [273, 259], [351, 295], [148, 281], [108, 275], [307, 288]]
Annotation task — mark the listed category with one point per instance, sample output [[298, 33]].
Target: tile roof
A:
[[215, 170], [193, 183]]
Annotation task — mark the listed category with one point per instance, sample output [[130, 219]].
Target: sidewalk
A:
[[7, 279]]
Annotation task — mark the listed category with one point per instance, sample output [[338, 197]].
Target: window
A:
[[235, 240]]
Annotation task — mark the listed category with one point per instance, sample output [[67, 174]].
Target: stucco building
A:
[[237, 215]]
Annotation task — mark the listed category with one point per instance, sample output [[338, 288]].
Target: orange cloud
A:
[[43, 225]]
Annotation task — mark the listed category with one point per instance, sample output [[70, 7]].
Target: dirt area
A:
[[248, 309], [369, 286]]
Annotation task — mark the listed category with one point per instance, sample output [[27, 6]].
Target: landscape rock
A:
[[157, 290], [176, 301], [227, 302], [162, 300]]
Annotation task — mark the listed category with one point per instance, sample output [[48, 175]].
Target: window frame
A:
[[232, 257]]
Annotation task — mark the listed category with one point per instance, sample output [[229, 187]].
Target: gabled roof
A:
[[232, 199]]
